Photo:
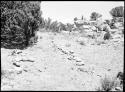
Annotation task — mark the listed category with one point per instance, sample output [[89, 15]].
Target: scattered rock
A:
[[109, 70], [27, 60], [80, 64], [70, 58], [16, 65], [71, 52], [77, 59]]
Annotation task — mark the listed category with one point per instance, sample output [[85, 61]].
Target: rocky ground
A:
[[61, 62]]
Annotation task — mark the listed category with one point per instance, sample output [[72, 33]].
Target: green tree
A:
[[69, 27], [117, 11], [62, 26], [75, 19], [95, 16], [19, 21], [82, 18]]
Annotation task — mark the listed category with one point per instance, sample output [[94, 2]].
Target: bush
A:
[[107, 36], [95, 16], [42, 22], [107, 22], [62, 26], [53, 26], [107, 84], [120, 76], [19, 21], [117, 11], [49, 25], [112, 26]]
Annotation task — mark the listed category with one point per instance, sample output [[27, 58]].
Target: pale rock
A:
[[118, 89]]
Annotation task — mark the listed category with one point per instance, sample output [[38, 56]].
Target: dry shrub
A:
[[108, 84], [107, 36]]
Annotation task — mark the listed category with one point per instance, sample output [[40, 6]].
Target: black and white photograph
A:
[[62, 45]]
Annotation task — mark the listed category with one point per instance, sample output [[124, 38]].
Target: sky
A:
[[66, 11]]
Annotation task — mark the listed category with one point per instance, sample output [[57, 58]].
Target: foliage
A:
[[95, 16], [69, 27], [62, 26], [112, 25], [48, 24], [78, 25], [107, 22], [19, 21], [75, 19], [53, 26], [107, 36], [107, 84], [42, 22], [82, 18], [117, 11]]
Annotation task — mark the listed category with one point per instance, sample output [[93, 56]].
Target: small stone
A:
[[78, 59], [109, 70], [16, 64], [69, 58], [71, 52], [80, 64]]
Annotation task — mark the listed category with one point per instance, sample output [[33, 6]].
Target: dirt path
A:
[[58, 62]]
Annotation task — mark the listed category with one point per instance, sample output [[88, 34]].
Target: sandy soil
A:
[[58, 62]]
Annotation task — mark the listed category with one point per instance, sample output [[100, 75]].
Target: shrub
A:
[[50, 25], [19, 21], [42, 22], [62, 26], [117, 11], [120, 76], [107, 84], [95, 16], [108, 21], [107, 36], [54, 26], [112, 26], [69, 27]]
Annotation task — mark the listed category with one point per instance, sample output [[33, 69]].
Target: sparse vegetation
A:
[[55, 26], [120, 76], [109, 84]]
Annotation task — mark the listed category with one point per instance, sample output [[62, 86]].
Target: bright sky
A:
[[66, 11]]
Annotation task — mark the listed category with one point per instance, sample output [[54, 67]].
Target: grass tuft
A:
[[108, 84]]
